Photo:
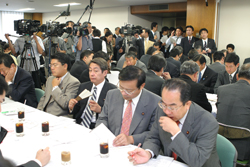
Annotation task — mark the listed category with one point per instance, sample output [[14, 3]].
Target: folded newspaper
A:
[[86, 93]]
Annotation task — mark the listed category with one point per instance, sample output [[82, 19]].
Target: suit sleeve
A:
[[214, 48], [203, 101], [30, 164], [42, 99], [196, 154], [77, 106], [182, 43], [61, 98], [218, 83]]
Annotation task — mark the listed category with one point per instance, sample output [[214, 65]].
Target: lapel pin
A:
[[142, 113], [187, 132]]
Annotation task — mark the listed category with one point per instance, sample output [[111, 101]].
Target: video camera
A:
[[54, 29], [25, 26], [127, 30], [83, 29]]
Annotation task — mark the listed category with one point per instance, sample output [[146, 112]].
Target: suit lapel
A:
[[140, 112], [118, 113], [205, 76], [103, 93]]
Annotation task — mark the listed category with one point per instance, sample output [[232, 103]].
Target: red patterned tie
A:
[[127, 118], [173, 154]]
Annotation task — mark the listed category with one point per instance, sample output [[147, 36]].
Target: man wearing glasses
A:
[[60, 88], [129, 111], [182, 129]]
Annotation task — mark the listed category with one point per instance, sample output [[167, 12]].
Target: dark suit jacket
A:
[[183, 58], [140, 47], [186, 45], [247, 60], [211, 45], [233, 108], [195, 145], [209, 79], [145, 59], [153, 82], [151, 36], [198, 94], [81, 105], [172, 69], [23, 88], [77, 68], [223, 79], [84, 77], [173, 61]]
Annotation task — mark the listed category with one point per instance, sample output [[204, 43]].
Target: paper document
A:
[[102, 131], [86, 93], [172, 40]]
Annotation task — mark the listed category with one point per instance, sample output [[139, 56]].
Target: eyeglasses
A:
[[54, 65], [164, 106], [126, 91]]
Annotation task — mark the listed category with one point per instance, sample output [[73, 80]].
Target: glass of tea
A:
[[19, 129], [66, 159], [104, 148], [45, 128], [20, 113]]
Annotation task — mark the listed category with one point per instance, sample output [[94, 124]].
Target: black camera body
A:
[[25, 26], [54, 29], [83, 29], [127, 30]]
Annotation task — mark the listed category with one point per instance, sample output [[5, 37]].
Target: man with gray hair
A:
[[189, 73], [234, 108], [181, 55], [131, 60], [198, 48]]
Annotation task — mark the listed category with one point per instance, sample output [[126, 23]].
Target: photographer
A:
[[83, 41], [38, 48], [69, 41]]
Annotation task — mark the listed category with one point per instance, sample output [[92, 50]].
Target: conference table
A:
[[65, 135]]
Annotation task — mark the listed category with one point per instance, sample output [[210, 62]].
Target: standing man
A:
[[182, 129], [129, 111], [144, 43], [188, 42], [175, 40], [152, 34]]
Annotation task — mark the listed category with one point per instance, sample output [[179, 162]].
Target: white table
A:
[[64, 135]]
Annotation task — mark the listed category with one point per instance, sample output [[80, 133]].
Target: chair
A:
[[226, 151], [39, 94], [234, 133]]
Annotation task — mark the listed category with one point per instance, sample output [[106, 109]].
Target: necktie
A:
[[230, 78], [127, 118], [189, 40], [173, 153], [87, 116], [199, 77], [177, 39], [205, 45]]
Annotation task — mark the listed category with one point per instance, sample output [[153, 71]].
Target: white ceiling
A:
[[43, 6]]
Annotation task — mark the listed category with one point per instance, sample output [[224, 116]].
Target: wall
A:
[[234, 26], [101, 17], [169, 22]]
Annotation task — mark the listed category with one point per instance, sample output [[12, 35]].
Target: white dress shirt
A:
[[177, 39], [202, 71], [134, 104], [11, 82], [233, 74], [203, 42]]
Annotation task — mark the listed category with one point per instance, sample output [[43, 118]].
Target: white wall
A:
[[234, 26], [101, 17]]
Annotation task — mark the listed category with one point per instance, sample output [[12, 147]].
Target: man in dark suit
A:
[[189, 73], [144, 43], [233, 108], [182, 129], [81, 65], [247, 60], [152, 34], [181, 55], [154, 81], [172, 69], [229, 75], [206, 77], [129, 111], [145, 58], [42, 156], [21, 85], [207, 44], [174, 58], [98, 70], [218, 64], [187, 42]]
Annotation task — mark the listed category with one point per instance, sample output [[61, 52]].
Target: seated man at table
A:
[[86, 110], [21, 85], [182, 129], [189, 73], [131, 60], [60, 88], [233, 108], [42, 156], [228, 76], [129, 111]]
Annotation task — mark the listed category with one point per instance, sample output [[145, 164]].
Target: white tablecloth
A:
[[65, 135]]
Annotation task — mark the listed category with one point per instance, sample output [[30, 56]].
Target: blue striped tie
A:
[[87, 115]]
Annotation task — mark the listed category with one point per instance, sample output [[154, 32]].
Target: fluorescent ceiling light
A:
[[66, 4], [25, 9]]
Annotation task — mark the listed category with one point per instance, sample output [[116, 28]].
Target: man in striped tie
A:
[[86, 110]]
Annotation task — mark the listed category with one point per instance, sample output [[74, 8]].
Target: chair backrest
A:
[[226, 151], [39, 94], [233, 132]]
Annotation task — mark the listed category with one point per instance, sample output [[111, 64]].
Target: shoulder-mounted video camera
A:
[[26, 26]]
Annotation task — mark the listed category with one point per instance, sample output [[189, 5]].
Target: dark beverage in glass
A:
[[21, 115], [45, 128], [104, 150], [19, 129]]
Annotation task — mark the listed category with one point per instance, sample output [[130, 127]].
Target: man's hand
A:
[[72, 103], [139, 156], [204, 52], [169, 125], [43, 156], [172, 33], [166, 75], [65, 40], [94, 106], [120, 50], [123, 140], [7, 37], [209, 50], [58, 48], [56, 82], [163, 44], [174, 44], [10, 75], [155, 37]]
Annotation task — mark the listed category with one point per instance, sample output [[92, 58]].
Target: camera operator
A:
[[83, 40], [69, 40], [38, 48]]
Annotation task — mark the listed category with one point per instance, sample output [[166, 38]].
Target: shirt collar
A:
[[182, 120], [190, 37], [100, 85], [96, 37], [135, 100], [233, 73], [202, 71], [14, 75], [63, 77]]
